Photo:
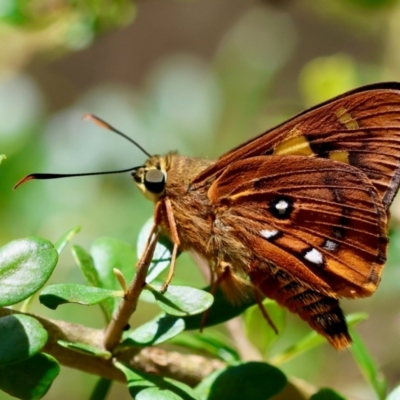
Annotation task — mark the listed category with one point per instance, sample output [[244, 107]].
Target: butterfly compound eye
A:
[[154, 181]]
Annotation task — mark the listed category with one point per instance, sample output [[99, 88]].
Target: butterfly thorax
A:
[[169, 177]]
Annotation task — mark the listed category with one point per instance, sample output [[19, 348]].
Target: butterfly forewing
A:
[[361, 128], [319, 220]]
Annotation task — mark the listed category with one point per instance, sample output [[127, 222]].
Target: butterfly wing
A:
[[360, 128], [319, 220], [316, 229]]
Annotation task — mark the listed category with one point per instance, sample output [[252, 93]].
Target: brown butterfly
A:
[[299, 212]]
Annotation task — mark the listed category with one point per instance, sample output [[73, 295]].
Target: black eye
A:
[[154, 181]]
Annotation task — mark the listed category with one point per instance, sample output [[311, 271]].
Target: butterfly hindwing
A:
[[320, 220], [360, 128]]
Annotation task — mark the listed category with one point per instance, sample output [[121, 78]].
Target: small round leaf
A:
[[25, 266], [252, 380], [326, 394], [21, 336], [29, 379]]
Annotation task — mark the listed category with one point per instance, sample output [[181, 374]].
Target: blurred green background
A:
[[195, 76]]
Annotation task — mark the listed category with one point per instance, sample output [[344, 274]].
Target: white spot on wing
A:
[[314, 256], [281, 206], [268, 233], [331, 246]]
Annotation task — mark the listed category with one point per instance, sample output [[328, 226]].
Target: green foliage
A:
[[25, 266], [326, 394], [23, 337], [29, 379], [146, 387], [54, 295], [251, 380]]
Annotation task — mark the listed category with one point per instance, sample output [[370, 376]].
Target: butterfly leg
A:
[[321, 312], [264, 311], [175, 240]]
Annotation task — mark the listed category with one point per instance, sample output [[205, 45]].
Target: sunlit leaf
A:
[[394, 394], [54, 295], [66, 238], [158, 330], [182, 300], [25, 266]]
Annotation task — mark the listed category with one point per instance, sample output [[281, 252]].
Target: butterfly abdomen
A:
[[321, 312]]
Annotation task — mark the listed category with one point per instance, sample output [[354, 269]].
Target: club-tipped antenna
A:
[[58, 176], [98, 121]]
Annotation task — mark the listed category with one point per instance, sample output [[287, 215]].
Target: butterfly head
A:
[[151, 179]]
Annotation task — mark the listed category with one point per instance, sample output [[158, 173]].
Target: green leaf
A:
[[394, 394], [149, 387], [251, 380], [311, 340], [262, 335], [66, 238], [29, 379], [2, 157], [222, 310], [162, 252], [212, 342], [158, 330], [109, 253], [327, 394], [182, 300], [89, 271], [25, 266], [367, 366], [86, 349], [54, 295], [100, 391], [86, 264], [21, 336]]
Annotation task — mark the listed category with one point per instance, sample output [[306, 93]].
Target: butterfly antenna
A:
[[98, 121], [102, 124]]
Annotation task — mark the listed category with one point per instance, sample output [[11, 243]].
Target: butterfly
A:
[[299, 213]]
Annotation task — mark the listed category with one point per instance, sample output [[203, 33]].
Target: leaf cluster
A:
[[29, 364]]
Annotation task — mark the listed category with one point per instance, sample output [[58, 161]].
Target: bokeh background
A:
[[198, 77]]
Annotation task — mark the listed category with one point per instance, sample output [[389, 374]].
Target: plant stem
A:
[[128, 304]]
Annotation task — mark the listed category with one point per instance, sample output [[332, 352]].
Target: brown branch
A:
[[190, 369], [129, 303]]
